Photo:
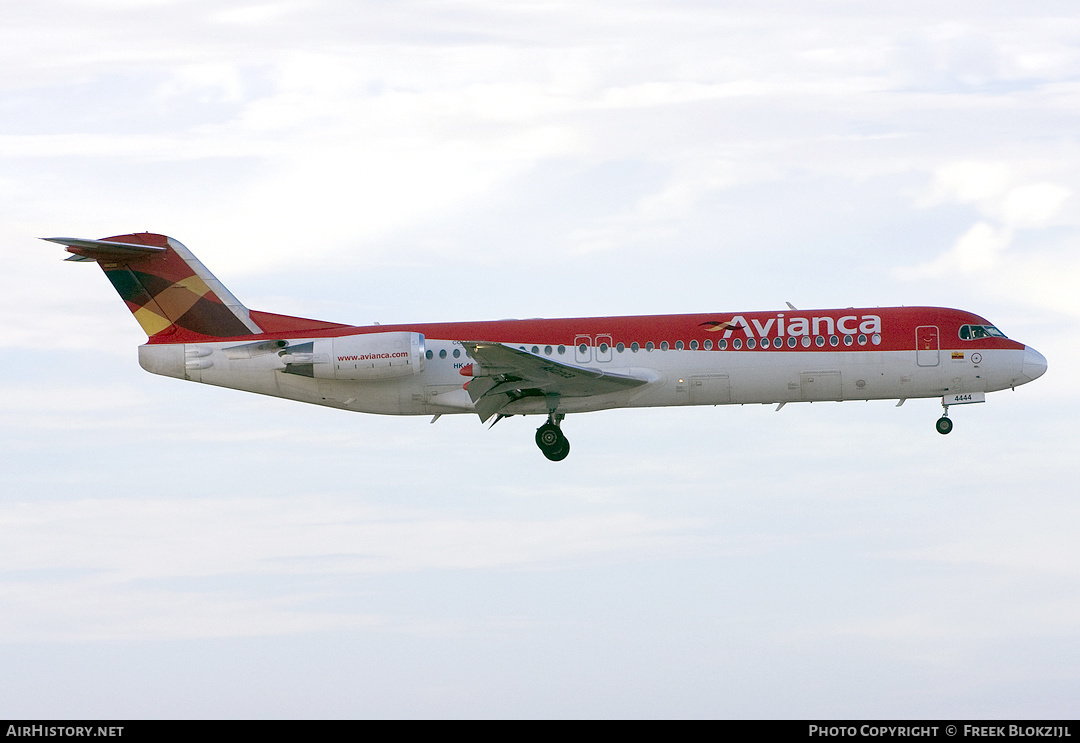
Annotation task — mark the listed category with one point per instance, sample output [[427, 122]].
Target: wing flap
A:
[[507, 374]]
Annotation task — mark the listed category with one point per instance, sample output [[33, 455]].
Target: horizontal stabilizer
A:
[[104, 250]]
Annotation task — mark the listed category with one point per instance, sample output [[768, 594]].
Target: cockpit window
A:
[[974, 332]]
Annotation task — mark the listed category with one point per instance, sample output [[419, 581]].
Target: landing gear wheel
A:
[[552, 442], [558, 454], [943, 425], [548, 436]]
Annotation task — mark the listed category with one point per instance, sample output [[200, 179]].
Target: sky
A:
[[174, 550]]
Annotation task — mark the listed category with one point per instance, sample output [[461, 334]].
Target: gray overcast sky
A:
[[169, 549]]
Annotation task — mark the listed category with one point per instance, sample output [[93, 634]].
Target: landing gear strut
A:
[[943, 424], [550, 439]]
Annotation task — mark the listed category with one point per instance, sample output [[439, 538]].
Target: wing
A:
[[502, 374]]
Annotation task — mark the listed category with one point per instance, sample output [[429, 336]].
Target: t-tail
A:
[[166, 288], [172, 294]]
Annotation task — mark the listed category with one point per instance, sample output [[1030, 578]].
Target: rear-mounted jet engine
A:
[[370, 356]]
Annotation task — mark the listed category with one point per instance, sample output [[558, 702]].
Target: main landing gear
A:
[[550, 439]]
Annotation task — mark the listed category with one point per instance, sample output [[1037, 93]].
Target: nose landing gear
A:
[[943, 424], [550, 439]]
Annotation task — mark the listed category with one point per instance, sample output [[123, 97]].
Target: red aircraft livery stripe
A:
[[881, 328]]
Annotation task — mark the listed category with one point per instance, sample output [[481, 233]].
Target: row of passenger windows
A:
[[442, 354], [738, 343], [792, 342]]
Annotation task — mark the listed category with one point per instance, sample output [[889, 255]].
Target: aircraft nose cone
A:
[[1034, 365]]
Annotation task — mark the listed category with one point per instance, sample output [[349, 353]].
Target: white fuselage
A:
[[677, 377]]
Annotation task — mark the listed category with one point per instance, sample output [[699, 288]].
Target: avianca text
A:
[[371, 356], [846, 325]]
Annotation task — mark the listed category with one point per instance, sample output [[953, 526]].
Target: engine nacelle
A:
[[369, 356]]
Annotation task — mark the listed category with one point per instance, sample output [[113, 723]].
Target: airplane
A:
[[198, 331]]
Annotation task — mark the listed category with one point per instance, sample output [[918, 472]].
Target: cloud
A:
[[968, 182], [255, 14], [995, 188], [153, 568], [207, 83], [1008, 208], [979, 249], [1034, 205], [702, 157]]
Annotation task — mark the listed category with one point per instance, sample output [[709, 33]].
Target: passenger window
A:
[[721, 344], [778, 342], [442, 354], [862, 339], [621, 347], [562, 350], [819, 341], [736, 344], [649, 346], [848, 340], [834, 341], [805, 341], [678, 345], [583, 348], [429, 355], [536, 349], [663, 345], [635, 347], [750, 343], [457, 353], [603, 348], [547, 350], [693, 345], [708, 345], [792, 341]]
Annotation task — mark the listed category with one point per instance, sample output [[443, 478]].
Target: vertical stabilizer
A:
[[166, 288]]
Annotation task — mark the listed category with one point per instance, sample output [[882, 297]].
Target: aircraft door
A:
[[603, 348], [927, 345], [582, 349]]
